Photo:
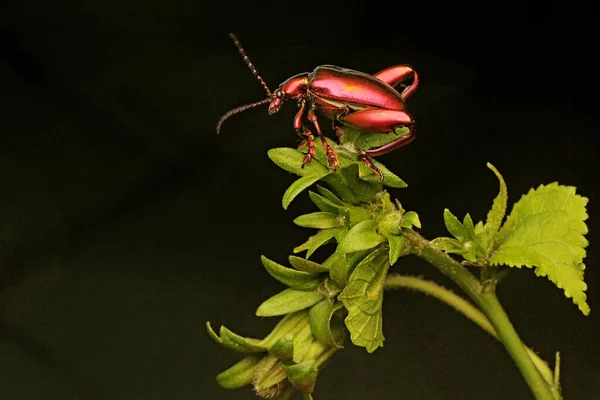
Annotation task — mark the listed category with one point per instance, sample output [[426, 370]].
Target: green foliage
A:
[[464, 242], [546, 230], [363, 298], [323, 302], [287, 301]]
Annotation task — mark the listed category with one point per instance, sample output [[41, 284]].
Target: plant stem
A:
[[461, 305], [491, 307]]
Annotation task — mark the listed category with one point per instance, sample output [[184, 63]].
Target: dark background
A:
[[127, 223]]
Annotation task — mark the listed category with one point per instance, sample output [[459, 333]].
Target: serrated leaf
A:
[[287, 302], [319, 220], [546, 229], [363, 298], [295, 279], [240, 374], [327, 331], [317, 240], [396, 243], [454, 226], [291, 160], [301, 184], [497, 212], [361, 236], [305, 265]]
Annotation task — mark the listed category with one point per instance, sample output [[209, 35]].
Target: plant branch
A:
[[491, 307], [461, 305]]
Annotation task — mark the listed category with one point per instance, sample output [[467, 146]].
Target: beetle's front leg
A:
[[332, 159], [308, 138]]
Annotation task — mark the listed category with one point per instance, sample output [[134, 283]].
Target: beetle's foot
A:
[[369, 164], [310, 142], [332, 159]]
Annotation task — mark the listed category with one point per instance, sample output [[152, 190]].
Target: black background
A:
[[127, 223]]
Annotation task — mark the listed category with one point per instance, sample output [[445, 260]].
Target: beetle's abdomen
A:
[[353, 87]]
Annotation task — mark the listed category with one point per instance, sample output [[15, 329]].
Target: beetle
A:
[[366, 102]]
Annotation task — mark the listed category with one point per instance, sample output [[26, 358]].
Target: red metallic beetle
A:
[[365, 102]]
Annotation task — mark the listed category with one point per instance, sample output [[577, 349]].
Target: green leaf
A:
[[283, 349], [342, 265], [396, 243], [361, 236], [496, 213], [324, 204], [363, 298], [291, 323], [291, 160], [454, 226], [469, 226], [295, 279], [389, 178], [235, 342], [338, 268], [305, 265], [328, 194], [316, 241], [319, 220], [240, 374], [328, 332], [288, 301], [302, 376], [449, 245], [299, 185], [546, 229], [410, 219]]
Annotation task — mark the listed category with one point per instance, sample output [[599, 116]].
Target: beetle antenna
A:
[[249, 63], [239, 110]]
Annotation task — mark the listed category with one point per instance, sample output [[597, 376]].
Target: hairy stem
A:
[[491, 307], [461, 305]]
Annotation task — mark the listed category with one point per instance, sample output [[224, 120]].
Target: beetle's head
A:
[[293, 88]]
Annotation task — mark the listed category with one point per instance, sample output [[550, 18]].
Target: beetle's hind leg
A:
[[365, 159]]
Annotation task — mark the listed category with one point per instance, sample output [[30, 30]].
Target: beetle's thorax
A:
[[293, 88]]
